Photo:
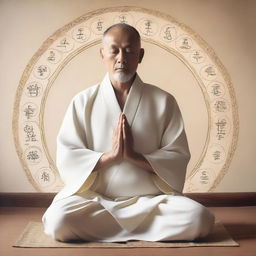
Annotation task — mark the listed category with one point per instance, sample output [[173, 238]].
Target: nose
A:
[[121, 57]]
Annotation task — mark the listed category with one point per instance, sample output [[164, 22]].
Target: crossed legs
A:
[[77, 218]]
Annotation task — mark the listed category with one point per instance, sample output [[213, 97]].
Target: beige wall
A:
[[227, 26]]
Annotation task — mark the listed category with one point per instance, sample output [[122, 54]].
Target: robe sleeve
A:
[[169, 162], [74, 160]]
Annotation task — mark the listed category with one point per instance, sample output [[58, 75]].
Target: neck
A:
[[122, 88]]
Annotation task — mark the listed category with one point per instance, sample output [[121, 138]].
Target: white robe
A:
[[124, 192]]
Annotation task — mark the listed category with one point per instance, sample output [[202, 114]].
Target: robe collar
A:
[[132, 100]]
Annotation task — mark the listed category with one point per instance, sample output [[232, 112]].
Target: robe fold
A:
[[127, 192]]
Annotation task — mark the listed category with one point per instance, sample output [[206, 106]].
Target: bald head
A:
[[128, 29]]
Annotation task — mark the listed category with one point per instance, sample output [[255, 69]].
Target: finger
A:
[[124, 129], [121, 117], [116, 132], [124, 117], [119, 122], [120, 130], [121, 140], [124, 139], [117, 129], [120, 127], [126, 122]]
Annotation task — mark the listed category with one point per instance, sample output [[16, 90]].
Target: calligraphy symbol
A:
[[221, 125], [63, 43], [216, 90], [185, 44], [52, 56], [99, 25], [210, 71], [42, 70], [29, 111], [33, 90], [33, 155], [31, 136], [45, 177], [168, 34], [197, 56], [216, 155], [148, 27], [81, 34], [122, 19], [220, 106], [204, 177]]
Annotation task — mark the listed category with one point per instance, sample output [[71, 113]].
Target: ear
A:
[[141, 54]]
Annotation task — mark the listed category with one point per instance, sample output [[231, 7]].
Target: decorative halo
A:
[[155, 28]]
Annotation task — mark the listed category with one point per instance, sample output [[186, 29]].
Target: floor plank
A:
[[240, 222]]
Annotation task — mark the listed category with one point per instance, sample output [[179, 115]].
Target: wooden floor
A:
[[240, 222]]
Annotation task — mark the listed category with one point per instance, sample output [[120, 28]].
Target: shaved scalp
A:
[[125, 27]]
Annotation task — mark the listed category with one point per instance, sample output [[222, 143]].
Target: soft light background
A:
[[228, 26]]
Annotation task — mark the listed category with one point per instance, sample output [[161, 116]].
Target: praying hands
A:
[[122, 142], [122, 148]]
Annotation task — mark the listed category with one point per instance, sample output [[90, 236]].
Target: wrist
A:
[[139, 160], [132, 156], [107, 157]]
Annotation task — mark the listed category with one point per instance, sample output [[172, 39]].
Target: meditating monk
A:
[[122, 153]]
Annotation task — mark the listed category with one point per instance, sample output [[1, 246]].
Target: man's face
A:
[[121, 54]]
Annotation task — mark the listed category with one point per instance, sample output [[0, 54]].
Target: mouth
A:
[[121, 69]]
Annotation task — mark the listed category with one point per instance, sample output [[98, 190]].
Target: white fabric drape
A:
[[133, 198], [86, 133]]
